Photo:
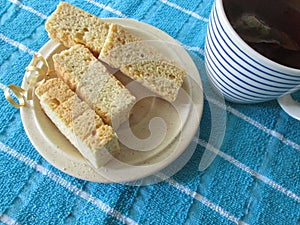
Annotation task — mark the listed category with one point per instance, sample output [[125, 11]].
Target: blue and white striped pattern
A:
[[255, 178], [237, 71]]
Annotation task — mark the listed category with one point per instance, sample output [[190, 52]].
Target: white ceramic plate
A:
[[171, 126]]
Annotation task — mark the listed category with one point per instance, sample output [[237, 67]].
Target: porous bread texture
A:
[[121, 47], [96, 141], [90, 79], [141, 62], [70, 25], [161, 77]]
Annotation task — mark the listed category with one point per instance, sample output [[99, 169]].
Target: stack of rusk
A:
[[85, 101]]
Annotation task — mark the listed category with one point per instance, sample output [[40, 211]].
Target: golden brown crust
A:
[[71, 64], [70, 25], [117, 37], [55, 90], [78, 122], [83, 73]]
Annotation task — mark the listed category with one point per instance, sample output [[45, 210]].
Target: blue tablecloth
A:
[[254, 179]]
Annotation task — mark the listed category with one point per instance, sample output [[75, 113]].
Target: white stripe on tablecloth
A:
[[27, 8], [101, 205], [8, 220], [247, 169], [3, 86], [186, 11], [201, 199], [193, 48], [64, 183], [107, 8], [255, 123], [109, 210], [16, 44]]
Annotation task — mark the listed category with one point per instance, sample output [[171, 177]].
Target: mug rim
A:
[[220, 6]]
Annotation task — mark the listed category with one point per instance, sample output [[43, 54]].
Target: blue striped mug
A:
[[235, 68]]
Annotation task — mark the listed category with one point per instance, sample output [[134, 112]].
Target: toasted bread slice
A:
[[96, 141], [141, 62], [70, 25], [90, 79], [122, 48]]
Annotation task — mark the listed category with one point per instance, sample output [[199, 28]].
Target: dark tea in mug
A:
[[271, 27]]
